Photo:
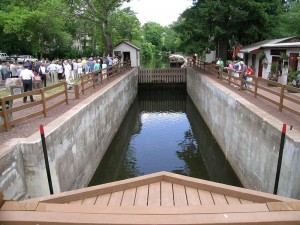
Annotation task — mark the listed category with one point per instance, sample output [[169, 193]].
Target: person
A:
[[249, 75], [60, 71], [68, 73], [52, 69], [74, 69], [194, 59], [42, 73], [5, 71], [27, 77], [219, 64], [242, 70], [79, 66], [13, 68], [96, 69]]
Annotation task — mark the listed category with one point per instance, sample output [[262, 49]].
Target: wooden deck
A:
[[161, 198]]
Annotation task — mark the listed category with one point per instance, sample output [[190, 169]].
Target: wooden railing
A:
[[162, 75], [89, 80], [11, 105], [260, 87]]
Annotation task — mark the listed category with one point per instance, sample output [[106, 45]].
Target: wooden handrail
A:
[[256, 83], [8, 123]]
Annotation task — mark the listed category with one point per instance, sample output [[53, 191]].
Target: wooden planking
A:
[[148, 210], [141, 197], [244, 201], [55, 218], [192, 196], [205, 198], [232, 200], [154, 194], [116, 198], [283, 206], [89, 201], [76, 202], [1, 199], [167, 198], [102, 189], [129, 197], [179, 195], [19, 206], [219, 199], [103, 199]]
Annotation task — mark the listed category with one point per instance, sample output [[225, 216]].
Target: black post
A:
[[280, 158], [46, 159]]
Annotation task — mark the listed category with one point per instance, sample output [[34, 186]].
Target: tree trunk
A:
[[107, 39], [223, 48]]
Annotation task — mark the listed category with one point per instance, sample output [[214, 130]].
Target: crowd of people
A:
[[236, 70], [54, 71]]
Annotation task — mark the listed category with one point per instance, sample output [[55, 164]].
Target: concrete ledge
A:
[[248, 136], [76, 142]]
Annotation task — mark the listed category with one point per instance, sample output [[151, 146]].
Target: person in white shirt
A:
[[68, 74], [42, 73], [52, 68], [27, 76], [79, 65]]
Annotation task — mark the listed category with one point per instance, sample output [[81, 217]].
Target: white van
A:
[[3, 57]]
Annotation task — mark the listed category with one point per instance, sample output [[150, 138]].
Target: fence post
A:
[[5, 115], [82, 84], [76, 90], [256, 87], [281, 97], [66, 92], [93, 79], [44, 102]]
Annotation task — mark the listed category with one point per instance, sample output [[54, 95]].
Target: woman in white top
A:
[[79, 67], [68, 73], [60, 71]]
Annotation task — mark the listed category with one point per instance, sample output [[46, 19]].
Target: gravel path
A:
[[31, 126]]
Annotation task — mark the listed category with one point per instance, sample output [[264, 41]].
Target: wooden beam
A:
[[19, 206], [54, 218], [1, 199]]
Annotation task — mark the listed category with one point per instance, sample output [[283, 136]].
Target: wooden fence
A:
[[11, 105], [162, 75], [89, 80], [274, 92]]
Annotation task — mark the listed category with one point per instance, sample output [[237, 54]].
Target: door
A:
[[293, 61], [126, 56]]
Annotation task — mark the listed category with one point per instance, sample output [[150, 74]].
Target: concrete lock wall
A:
[[248, 136], [76, 142]]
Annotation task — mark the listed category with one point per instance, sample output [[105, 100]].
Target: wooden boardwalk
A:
[[161, 198]]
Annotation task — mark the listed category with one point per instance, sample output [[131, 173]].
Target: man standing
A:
[[27, 76], [52, 68]]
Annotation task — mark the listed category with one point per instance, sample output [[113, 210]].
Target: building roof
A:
[[282, 42], [160, 198], [127, 43]]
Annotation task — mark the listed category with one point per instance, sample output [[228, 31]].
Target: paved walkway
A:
[[285, 116]]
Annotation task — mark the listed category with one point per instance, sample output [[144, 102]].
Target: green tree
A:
[[153, 33], [34, 26], [290, 20], [102, 13], [224, 23]]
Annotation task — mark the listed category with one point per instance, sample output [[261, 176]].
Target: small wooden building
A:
[[127, 51]]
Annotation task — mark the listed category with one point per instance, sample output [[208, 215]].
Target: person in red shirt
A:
[[249, 74]]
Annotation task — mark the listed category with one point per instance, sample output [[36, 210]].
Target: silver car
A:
[[3, 57], [26, 58]]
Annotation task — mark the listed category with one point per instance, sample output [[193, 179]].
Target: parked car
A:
[[3, 57], [13, 57], [25, 58]]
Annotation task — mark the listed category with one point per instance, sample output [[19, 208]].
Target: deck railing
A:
[[89, 80], [11, 105], [162, 75], [280, 95]]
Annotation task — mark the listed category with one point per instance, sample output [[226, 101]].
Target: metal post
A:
[[46, 159], [280, 158]]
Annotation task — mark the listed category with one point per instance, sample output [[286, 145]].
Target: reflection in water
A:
[[163, 131]]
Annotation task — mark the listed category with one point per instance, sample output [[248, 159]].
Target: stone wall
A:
[[76, 142], [248, 136]]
